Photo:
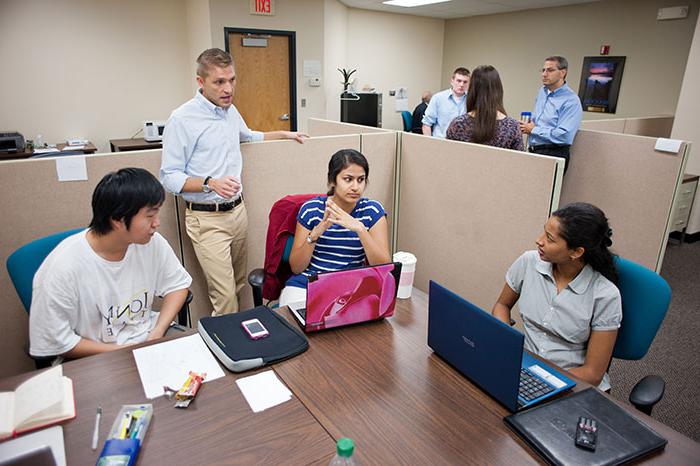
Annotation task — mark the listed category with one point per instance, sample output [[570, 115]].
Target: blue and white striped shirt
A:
[[337, 248]]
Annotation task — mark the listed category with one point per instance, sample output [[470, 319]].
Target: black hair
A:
[[342, 160], [585, 225], [121, 194]]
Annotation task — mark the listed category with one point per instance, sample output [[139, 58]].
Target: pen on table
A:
[[96, 431]]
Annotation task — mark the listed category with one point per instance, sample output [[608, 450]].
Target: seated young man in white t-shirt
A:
[[94, 292]]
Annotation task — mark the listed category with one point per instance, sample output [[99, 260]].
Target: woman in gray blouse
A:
[[570, 306]]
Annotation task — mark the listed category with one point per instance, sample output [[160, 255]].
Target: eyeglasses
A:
[[550, 70]]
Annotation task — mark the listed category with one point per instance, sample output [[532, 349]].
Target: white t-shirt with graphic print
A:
[[76, 293]]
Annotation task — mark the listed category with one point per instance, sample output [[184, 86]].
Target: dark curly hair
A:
[[585, 225]]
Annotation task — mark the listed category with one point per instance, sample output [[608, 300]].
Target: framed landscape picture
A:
[[600, 83]]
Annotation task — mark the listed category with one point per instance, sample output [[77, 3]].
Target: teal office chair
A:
[[25, 261], [407, 121], [645, 300]]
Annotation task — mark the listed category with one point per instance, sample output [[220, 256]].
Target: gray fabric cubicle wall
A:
[[632, 183], [36, 204], [467, 211], [320, 127], [657, 127]]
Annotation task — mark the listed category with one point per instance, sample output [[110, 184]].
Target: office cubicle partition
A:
[[634, 185], [35, 204], [467, 211], [319, 127], [655, 126]]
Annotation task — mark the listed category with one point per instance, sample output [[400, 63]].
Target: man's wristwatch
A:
[[205, 185]]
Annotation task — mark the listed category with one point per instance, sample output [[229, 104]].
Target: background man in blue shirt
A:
[[447, 105], [557, 114]]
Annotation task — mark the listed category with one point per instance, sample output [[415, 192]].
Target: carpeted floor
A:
[[675, 353]]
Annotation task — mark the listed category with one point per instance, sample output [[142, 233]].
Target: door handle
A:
[[285, 117]]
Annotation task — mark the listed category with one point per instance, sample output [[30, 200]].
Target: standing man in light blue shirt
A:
[[202, 162], [447, 105], [557, 114]]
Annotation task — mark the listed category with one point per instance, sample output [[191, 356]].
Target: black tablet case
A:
[[550, 429], [226, 338]]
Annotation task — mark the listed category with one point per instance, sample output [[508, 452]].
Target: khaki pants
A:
[[220, 243]]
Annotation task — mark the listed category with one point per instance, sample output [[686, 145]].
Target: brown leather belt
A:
[[215, 207]]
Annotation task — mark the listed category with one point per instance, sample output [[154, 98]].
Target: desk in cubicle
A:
[[377, 383], [131, 144]]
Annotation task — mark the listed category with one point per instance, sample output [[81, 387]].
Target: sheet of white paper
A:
[[71, 168], [402, 105], [668, 145], [169, 364], [263, 390], [47, 150], [312, 69], [79, 147]]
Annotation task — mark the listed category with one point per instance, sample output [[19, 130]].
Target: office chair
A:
[[407, 121], [645, 300], [268, 281], [25, 261]]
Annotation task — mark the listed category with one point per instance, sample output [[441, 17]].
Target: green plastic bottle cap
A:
[[345, 447]]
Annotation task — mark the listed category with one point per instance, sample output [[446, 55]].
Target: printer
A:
[[11, 141]]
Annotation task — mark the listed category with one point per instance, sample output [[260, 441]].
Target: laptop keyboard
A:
[[531, 386]]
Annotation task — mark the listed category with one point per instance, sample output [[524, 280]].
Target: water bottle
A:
[[344, 454]]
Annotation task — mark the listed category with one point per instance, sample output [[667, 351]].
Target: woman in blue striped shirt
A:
[[340, 230]]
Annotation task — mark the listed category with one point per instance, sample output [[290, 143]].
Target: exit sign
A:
[[262, 7]]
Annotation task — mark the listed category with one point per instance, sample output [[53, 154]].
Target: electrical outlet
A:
[[303, 103]]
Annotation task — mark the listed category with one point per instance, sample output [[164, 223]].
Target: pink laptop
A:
[[349, 296]]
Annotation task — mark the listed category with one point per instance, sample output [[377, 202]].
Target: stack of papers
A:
[[263, 390], [169, 364]]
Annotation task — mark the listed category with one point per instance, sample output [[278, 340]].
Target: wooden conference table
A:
[[378, 383]]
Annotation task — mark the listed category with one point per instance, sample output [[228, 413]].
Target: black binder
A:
[[550, 429], [226, 338]]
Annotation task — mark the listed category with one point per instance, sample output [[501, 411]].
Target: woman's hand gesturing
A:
[[340, 217]]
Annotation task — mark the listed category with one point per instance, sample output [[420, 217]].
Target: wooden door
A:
[[264, 78]]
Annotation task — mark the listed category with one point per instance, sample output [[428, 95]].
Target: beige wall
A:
[[198, 35], [516, 43], [80, 68], [390, 51], [335, 31], [305, 17], [685, 125]]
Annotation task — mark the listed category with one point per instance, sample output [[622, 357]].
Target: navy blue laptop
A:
[[489, 352]]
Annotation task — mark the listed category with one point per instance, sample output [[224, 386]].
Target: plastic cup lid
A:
[[404, 257]]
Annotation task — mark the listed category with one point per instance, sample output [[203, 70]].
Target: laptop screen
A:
[[352, 295]]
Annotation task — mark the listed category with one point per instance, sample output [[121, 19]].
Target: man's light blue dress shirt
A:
[[442, 109], [557, 117], [200, 140]]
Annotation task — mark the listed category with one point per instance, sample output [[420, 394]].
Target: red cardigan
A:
[[283, 221]]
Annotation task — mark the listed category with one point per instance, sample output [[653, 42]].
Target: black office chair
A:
[[25, 261]]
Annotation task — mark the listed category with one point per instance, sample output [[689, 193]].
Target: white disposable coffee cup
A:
[[408, 271]]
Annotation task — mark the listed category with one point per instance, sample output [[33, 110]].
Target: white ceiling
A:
[[462, 8]]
